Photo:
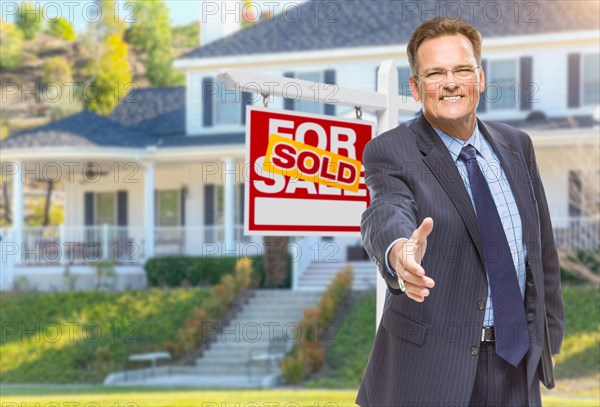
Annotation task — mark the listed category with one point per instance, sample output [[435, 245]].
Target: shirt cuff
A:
[[387, 252]]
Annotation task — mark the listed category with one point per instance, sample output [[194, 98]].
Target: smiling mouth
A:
[[451, 99]]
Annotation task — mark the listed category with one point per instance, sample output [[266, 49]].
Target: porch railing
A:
[[121, 244], [125, 245], [577, 233]]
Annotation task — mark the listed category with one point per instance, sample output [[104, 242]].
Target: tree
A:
[[61, 97], [62, 28], [11, 46], [57, 70], [29, 19], [275, 260], [153, 34], [110, 21], [112, 79]]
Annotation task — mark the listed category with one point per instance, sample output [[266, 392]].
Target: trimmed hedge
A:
[[177, 271]]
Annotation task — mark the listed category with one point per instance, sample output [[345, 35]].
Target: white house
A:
[[163, 174]]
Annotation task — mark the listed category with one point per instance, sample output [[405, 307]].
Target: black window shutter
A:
[[288, 104], [209, 205], [242, 211], [122, 208], [329, 77], [526, 80], [574, 80], [481, 107], [208, 89], [88, 214], [88, 211], [246, 100], [122, 215], [182, 193]]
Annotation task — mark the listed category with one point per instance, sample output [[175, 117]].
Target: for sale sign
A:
[[305, 174]]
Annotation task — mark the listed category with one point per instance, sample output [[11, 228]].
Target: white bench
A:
[[152, 357]]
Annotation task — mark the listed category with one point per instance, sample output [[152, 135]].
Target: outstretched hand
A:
[[406, 256]]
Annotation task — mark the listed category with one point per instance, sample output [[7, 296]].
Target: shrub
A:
[[11, 46], [174, 271], [189, 337], [29, 19], [292, 368], [314, 355], [61, 28], [57, 70], [310, 349]]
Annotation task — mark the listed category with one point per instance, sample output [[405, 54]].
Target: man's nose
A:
[[450, 83]]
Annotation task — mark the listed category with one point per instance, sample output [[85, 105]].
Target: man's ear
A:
[[481, 81], [414, 88]]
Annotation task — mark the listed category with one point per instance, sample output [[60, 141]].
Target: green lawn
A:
[[79, 337], [134, 397]]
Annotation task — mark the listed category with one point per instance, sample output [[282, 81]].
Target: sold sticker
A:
[[302, 161], [305, 173]]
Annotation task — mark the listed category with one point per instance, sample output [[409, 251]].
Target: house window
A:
[[502, 84], [310, 106], [591, 79], [227, 106], [168, 208], [220, 204], [106, 208]]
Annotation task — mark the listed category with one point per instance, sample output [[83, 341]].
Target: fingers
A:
[[415, 292], [420, 234]]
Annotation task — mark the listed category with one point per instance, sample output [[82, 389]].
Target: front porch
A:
[[122, 245]]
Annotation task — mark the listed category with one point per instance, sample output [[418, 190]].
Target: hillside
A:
[[27, 102]]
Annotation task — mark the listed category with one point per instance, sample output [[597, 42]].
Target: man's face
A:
[[448, 100]]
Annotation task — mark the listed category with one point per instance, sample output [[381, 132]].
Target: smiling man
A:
[[459, 228]]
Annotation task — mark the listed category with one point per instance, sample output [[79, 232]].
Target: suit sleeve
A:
[[392, 212], [549, 259]]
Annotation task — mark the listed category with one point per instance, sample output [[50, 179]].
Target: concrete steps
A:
[[318, 276], [269, 316]]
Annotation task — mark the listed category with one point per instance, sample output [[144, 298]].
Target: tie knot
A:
[[467, 153]]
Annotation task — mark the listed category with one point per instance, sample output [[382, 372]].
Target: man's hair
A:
[[441, 27]]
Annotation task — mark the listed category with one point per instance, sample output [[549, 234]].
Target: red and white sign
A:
[[305, 173]]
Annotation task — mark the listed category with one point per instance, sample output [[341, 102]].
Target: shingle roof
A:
[[79, 130], [331, 24], [86, 129], [156, 111]]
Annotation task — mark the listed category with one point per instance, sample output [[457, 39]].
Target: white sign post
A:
[[386, 101]]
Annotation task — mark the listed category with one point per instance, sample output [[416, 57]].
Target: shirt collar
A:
[[454, 145]]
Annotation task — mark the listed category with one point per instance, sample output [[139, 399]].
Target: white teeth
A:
[[451, 98]]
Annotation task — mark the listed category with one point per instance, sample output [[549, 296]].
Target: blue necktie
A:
[[510, 323]]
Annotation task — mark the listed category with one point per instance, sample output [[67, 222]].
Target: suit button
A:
[[474, 351], [480, 305]]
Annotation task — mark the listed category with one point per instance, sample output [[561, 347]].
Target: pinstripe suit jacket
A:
[[425, 353]]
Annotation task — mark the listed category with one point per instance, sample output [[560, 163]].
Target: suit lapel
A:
[[516, 173], [440, 163]]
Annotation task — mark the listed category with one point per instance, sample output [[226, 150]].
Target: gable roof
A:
[[83, 129], [333, 24], [155, 111]]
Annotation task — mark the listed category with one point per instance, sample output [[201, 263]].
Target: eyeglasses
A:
[[461, 74]]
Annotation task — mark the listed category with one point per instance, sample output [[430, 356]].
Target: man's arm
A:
[[392, 213], [549, 258]]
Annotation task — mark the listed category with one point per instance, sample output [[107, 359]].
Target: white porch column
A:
[[229, 204], [149, 210], [18, 207], [387, 83]]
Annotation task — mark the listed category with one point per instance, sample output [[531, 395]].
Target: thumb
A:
[[420, 234]]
